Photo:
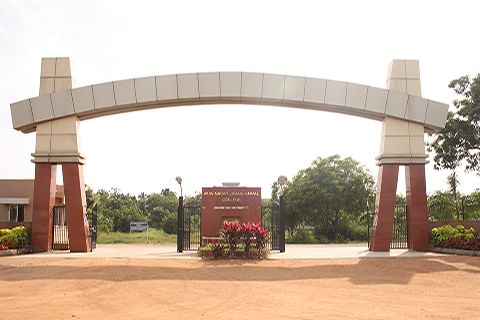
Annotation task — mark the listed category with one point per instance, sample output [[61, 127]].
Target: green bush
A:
[[439, 236], [169, 223], [347, 231], [302, 236], [324, 233], [13, 238], [354, 232]]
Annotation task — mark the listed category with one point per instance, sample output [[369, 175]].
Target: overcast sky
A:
[[144, 151]]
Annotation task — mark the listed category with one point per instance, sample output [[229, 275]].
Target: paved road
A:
[[292, 251]]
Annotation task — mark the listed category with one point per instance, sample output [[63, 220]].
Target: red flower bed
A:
[[247, 240]]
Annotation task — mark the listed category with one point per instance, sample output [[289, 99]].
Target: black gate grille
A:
[[189, 239], [60, 229], [400, 228], [191, 227], [93, 229], [271, 220]]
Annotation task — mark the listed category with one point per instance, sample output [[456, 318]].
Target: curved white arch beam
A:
[[228, 88]]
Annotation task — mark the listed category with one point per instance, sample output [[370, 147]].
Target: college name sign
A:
[[228, 196], [242, 204]]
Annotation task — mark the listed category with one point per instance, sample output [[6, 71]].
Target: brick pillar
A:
[[418, 228], [76, 204], [44, 191], [384, 207]]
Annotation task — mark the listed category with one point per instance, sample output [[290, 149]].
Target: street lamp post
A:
[[179, 181], [281, 236], [180, 217]]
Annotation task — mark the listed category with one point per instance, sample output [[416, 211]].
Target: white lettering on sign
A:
[[231, 208], [138, 225], [231, 193]]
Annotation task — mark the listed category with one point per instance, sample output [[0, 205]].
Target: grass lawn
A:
[[152, 235]]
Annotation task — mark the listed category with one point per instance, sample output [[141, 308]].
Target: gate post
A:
[[384, 207], [43, 202], [76, 207], [281, 231], [418, 228], [401, 143], [180, 221], [93, 227]]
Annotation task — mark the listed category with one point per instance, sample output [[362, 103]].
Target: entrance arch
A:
[[55, 116]]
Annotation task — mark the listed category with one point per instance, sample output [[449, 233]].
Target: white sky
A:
[[144, 151]]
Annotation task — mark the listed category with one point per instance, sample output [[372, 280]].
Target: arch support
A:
[[58, 143], [418, 228], [43, 203], [402, 143], [384, 207]]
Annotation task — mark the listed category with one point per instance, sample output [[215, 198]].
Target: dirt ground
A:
[[368, 288]]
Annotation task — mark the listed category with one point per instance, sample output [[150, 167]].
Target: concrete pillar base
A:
[[418, 228], [384, 207], [76, 205], [43, 203]]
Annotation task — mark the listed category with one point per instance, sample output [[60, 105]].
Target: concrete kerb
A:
[[293, 251]]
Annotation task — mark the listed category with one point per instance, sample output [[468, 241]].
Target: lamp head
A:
[[179, 180]]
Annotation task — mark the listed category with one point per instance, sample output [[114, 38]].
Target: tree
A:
[[471, 206], [453, 184], [161, 205], [194, 201], [329, 192], [116, 210], [169, 224], [459, 141], [275, 191], [441, 206]]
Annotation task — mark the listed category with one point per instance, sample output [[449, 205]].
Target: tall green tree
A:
[[471, 206], [161, 205], [116, 210], [453, 184], [331, 191], [441, 206], [459, 141]]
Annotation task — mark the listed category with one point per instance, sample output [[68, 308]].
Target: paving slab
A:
[[292, 251]]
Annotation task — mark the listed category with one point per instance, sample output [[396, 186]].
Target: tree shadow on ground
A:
[[358, 271]]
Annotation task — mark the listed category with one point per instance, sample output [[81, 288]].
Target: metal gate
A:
[[189, 218], [93, 229], [400, 228], [60, 229], [271, 221], [188, 233]]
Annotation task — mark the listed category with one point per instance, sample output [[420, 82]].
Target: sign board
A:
[[138, 225], [241, 204]]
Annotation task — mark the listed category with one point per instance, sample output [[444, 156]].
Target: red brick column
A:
[[418, 229], [76, 204], [43, 202], [384, 207]]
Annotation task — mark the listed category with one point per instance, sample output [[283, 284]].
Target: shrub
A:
[[322, 231], [462, 243], [354, 231], [455, 238], [261, 234], [13, 238], [231, 234], [169, 223], [237, 239], [302, 236], [347, 231]]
